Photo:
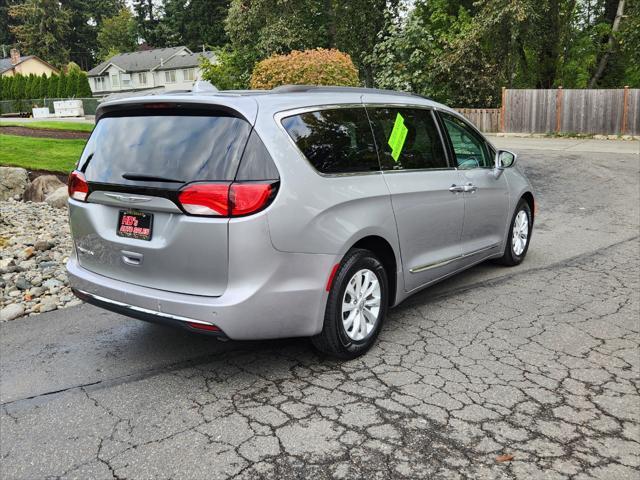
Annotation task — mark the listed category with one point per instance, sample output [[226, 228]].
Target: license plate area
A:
[[135, 224]]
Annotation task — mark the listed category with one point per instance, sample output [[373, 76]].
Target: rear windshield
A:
[[176, 147]]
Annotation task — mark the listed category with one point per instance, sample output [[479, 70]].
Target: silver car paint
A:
[[279, 260]]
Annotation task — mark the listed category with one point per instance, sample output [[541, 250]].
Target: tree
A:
[[2, 87], [117, 35], [149, 25], [19, 85], [85, 21], [52, 92], [195, 23], [83, 90], [228, 70], [41, 28], [62, 85], [72, 84], [44, 86], [7, 88]]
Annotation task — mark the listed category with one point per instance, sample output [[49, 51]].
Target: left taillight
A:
[[78, 186]]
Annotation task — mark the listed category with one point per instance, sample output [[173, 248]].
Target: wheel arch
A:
[[385, 252], [528, 197]]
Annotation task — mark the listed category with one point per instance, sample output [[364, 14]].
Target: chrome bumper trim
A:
[[143, 310]]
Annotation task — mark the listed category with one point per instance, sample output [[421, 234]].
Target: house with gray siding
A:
[[174, 68]]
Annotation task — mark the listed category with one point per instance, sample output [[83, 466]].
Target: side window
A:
[[407, 138], [256, 163], [335, 140], [470, 149]]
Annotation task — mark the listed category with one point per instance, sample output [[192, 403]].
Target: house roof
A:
[[151, 59], [5, 63], [186, 61]]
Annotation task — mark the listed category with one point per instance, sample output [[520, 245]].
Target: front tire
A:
[[519, 236], [356, 307]]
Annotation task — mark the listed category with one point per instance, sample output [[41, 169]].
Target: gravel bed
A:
[[34, 247]]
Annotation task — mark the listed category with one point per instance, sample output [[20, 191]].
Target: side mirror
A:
[[505, 159]]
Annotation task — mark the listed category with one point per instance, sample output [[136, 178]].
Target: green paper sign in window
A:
[[397, 138]]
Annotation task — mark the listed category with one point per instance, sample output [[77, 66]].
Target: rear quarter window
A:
[[335, 140]]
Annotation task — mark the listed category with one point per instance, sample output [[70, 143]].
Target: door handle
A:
[[469, 187]]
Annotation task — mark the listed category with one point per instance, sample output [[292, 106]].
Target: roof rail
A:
[[331, 88]]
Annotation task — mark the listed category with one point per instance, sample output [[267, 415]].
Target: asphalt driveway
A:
[[540, 362]]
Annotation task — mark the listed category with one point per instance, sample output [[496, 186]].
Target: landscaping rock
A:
[[13, 182], [35, 245], [11, 311], [58, 199], [41, 187]]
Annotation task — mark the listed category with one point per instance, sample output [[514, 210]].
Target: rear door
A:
[[428, 214], [131, 227]]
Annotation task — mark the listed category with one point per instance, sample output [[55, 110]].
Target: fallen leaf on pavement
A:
[[507, 457]]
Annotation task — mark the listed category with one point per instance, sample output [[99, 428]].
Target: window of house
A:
[[188, 74], [407, 138], [142, 78], [99, 83], [170, 76], [126, 80], [115, 80], [335, 140]]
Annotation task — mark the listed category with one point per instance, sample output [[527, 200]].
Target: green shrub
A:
[[310, 67], [44, 86]]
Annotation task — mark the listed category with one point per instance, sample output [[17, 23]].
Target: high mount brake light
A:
[[78, 187], [224, 199]]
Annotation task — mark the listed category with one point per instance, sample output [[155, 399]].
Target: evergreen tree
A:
[[27, 86], [52, 91], [41, 28], [62, 85], [44, 86], [2, 83], [7, 90], [19, 87], [84, 90], [72, 84]]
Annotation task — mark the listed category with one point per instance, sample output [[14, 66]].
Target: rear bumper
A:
[[287, 299]]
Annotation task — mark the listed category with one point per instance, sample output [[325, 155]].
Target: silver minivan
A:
[[300, 211]]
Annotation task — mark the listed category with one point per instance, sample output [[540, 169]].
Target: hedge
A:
[[309, 67], [22, 87]]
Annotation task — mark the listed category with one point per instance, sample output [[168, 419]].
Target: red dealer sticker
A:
[[135, 224]]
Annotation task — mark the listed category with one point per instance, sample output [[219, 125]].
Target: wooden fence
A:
[[485, 119], [594, 111]]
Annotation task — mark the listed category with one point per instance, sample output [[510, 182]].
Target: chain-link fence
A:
[[24, 106]]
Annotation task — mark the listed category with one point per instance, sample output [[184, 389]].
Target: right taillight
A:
[[78, 187], [226, 200]]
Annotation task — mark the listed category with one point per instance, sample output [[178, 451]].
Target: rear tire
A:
[[519, 236], [356, 307]]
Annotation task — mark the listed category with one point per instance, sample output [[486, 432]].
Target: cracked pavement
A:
[[540, 362]]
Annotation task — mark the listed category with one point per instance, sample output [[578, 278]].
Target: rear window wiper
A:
[[149, 178]]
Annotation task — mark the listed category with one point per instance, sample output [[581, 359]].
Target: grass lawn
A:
[[73, 126], [40, 153]]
